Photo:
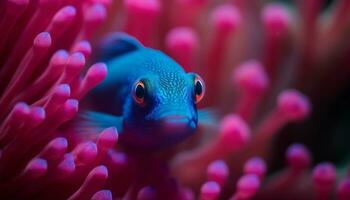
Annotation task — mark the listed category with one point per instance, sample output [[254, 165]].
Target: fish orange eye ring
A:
[[199, 89], [139, 92]]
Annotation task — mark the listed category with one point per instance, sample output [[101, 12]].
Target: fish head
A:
[[162, 109]]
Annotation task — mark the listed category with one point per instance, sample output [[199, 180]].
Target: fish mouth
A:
[[158, 134], [176, 124], [167, 130]]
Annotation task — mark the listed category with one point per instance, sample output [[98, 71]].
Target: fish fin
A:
[[117, 44], [92, 122], [208, 118]]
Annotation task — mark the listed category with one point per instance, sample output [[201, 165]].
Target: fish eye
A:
[[139, 92], [199, 89]]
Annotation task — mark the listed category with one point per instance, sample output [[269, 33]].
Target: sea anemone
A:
[[277, 82]]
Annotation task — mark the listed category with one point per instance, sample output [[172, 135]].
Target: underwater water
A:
[[273, 122]]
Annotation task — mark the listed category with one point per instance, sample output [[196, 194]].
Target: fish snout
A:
[[177, 124]]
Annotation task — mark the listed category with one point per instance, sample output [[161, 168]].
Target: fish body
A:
[[146, 95]]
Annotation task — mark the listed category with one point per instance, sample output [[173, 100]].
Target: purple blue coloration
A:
[[146, 95]]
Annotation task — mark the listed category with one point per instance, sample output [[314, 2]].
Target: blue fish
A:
[[146, 95]]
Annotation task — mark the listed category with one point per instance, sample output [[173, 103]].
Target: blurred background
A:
[[277, 77]]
